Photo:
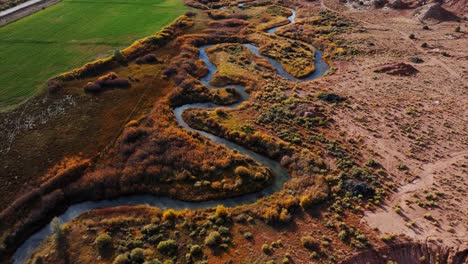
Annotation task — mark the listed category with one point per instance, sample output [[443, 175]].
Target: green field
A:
[[70, 33]]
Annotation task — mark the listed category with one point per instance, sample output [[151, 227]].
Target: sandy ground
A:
[[415, 126]]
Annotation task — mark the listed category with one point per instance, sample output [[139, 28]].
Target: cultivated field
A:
[[69, 34]]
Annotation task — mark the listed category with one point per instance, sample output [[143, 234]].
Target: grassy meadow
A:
[[70, 33]]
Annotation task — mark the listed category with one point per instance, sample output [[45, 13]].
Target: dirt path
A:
[[426, 178], [431, 225]]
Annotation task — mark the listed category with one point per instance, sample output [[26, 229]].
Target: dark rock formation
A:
[[356, 188], [401, 69], [434, 12]]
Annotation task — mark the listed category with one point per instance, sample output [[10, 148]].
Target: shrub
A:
[[372, 163], [388, 237], [426, 27], [222, 211], [285, 216], [242, 171], [147, 59], [121, 259], [169, 215], [412, 36], [266, 249], [312, 198], [168, 247], [330, 98], [309, 243], [220, 112], [325, 243], [103, 242], [212, 239], [458, 29], [402, 167], [223, 230], [190, 13], [196, 250], [343, 235], [137, 255], [314, 255], [118, 82], [153, 261], [57, 229], [428, 216], [54, 85], [248, 235], [271, 214], [118, 56], [92, 87], [416, 60]]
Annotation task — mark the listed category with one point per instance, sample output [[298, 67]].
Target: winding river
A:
[[280, 175]]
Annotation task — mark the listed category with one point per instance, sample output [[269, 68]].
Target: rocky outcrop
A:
[[401, 69], [356, 188], [409, 253], [434, 12], [397, 4], [458, 7]]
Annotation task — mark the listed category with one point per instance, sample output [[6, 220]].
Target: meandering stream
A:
[[280, 175]]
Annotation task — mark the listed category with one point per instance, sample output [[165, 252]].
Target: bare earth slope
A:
[[416, 126]]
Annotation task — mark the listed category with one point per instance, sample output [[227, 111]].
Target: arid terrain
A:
[[324, 131]]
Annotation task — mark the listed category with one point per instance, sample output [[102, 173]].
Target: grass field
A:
[[69, 34]]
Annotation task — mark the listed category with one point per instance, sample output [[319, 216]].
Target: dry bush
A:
[[314, 195], [92, 87], [228, 23], [110, 80], [53, 86], [147, 59]]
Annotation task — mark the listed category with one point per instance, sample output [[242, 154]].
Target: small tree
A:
[[169, 215], [213, 239], [222, 211], [57, 230], [168, 247], [137, 255], [118, 55], [122, 259], [103, 243], [56, 227]]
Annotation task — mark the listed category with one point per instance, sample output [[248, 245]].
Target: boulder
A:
[[379, 3], [397, 4]]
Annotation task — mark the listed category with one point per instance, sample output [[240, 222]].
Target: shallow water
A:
[[280, 174]]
